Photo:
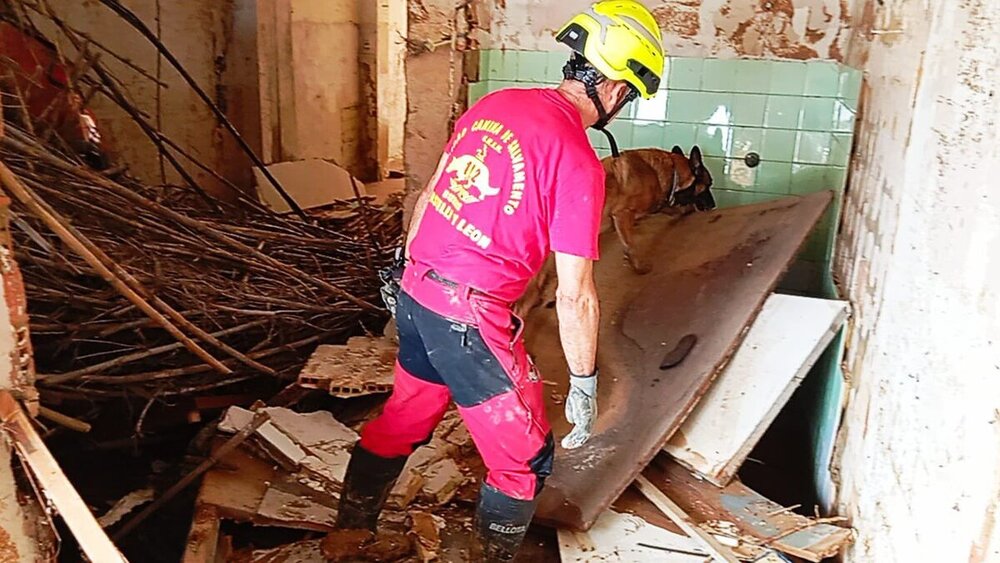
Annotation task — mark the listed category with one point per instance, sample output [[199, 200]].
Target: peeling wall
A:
[[919, 451], [197, 34], [793, 29], [438, 31]]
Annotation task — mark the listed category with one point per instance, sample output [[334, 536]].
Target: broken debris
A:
[[425, 530], [363, 366], [745, 517]]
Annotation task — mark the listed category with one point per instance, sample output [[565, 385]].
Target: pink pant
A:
[[457, 344]]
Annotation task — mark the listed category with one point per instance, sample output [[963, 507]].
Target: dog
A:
[[637, 183], [640, 182]]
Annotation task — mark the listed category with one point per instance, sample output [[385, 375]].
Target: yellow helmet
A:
[[621, 39]]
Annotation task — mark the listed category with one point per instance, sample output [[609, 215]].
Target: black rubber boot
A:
[[501, 522], [367, 483]]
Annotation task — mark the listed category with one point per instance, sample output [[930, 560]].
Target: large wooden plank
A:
[[710, 275], [781, 347], [757, 519], [93, 541]]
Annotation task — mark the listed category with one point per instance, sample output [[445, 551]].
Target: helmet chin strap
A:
[[602, 117], [590, 79]]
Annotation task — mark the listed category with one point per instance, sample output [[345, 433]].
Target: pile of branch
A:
[[131, 286], [162, 291]]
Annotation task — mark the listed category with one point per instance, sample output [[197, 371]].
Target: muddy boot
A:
[[501, 522], [367, 483]]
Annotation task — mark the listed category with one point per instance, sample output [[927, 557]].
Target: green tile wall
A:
[[797, 116]]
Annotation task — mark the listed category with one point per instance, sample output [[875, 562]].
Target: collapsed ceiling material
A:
[[161, 291], [712, 273]]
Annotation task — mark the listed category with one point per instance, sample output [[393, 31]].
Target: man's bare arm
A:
[[421, 205], [578, 311]]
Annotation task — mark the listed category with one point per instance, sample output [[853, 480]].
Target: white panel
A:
[[782, 345]]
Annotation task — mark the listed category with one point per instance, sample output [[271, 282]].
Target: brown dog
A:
[[637, 183], [644, 181]]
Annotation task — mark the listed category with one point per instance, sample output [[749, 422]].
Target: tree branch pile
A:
[[163, 290]]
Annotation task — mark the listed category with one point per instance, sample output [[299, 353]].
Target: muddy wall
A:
[[919, 452], [198, 35], [438, 37], [792, 29]]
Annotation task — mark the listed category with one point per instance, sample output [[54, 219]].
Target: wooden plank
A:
[[94, 543], [626, 537], [711, 273], [781, 347], [718, 551], [756, 518], [203, 538]]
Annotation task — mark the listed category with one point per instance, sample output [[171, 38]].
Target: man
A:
[[518, 180]]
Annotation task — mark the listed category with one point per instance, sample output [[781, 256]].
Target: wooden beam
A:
[[94, 543], [718, 551], [756, 519], [203, 538]]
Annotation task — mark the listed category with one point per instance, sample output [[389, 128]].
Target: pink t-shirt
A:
[[520, 179]]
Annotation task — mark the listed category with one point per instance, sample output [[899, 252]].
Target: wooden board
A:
[[758, 519], [781, 347], [625, 537], [711, 273], [93, 541], [660, 499]]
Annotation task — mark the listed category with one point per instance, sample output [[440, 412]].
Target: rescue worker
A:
[[518, 180]]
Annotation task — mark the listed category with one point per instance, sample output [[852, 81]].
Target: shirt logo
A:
[[471, 180]]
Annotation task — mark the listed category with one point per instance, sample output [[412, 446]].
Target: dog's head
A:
[[695, 189]]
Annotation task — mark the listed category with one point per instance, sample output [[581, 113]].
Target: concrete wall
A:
[[919, 460], [794, 29], [435, 80], [311, 105], [197, 34]]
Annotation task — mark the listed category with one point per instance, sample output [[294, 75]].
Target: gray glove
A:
[[581, 409]]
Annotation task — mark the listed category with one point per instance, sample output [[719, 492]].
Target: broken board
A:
[[711, 273], [626, 537], [311, 183], [782, 345], [755, 518]]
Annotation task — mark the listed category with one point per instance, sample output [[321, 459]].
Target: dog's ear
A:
[[695, 157], [677, 150]]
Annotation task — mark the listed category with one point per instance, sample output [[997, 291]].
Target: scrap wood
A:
[[84, 249], [252, 293], [63, 420], [215, 270], [758, 520], [94, 543], [230, 445], [684, 520], [203, 537], [625, 537]]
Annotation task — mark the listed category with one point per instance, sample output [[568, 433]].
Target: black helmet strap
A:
[[578, 69]]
